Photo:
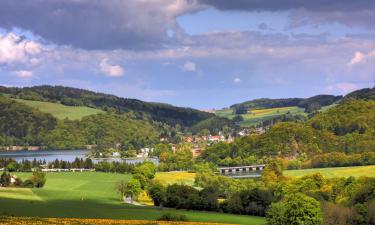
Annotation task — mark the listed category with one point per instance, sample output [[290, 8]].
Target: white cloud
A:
[[357, 58], [189, 66], [111, 70], [24, 73], [14, 49], [236, 80]]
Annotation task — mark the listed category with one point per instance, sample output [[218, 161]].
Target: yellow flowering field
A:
[[63, 221]]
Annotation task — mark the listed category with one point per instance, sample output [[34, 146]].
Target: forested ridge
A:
[[314, 102], [26, 126], [160, 112]]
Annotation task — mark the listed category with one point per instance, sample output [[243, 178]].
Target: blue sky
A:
[[196, 53]]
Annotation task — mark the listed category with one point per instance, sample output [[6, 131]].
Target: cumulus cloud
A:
[[24, 73], [14, 49], [236, 80], [357, 58], [189, 66], [87, 24], [360, 57], [111, 70]]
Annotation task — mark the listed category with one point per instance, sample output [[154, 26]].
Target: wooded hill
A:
[[348, 128], [26, 126], [78, 97], [314, 102], [366, 93]]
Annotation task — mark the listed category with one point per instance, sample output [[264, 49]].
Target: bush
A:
[[172, 217], [28, 184], [295, 209]]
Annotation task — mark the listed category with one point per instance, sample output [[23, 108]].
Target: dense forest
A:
[[78, 97], [365, 93], [312, 103], [348, 128], [26, 126]]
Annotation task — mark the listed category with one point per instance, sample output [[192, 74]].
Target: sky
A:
[[203, 54]]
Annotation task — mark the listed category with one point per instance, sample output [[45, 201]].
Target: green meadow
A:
[[256, 116], [355, 171], [61, 111], [92, 195]]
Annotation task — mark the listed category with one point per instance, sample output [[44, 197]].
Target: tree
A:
[[296, 209], [132, 189], [5, 179], [157, 193], [38, 178], [121, 188]]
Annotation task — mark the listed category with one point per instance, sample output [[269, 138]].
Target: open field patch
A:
[[256, 116], [355, 171], [61, 111]]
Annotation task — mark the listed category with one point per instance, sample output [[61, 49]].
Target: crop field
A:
[[61, 111], [355, 171], [254, 117], [92, 195], [176, 177]]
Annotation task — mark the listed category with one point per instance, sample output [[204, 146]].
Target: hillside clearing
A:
[[257, 116], [61, 111]]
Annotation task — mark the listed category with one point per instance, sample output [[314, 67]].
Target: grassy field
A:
[[254, 117], [61, 111], [355, 171], [92, 195]]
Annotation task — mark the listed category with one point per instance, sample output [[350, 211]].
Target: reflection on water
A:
[[66, 155]]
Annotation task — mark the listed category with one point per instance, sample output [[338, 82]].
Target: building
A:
[[196, 152]]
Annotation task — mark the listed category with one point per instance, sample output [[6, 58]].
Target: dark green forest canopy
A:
[[78, 97], [262, 103], [24, 125], [366, 93], [348, 127]]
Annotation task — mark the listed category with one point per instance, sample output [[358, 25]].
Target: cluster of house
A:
[[209, 138]]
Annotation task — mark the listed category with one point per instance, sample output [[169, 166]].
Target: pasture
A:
[[256, 116], [355, 171], [61, 111], [92, 195]]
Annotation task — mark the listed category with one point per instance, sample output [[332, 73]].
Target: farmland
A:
[[256, 116], [61, 111], [92, 195], [355, 171]]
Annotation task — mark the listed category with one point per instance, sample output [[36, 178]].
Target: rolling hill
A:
[[68, 96]]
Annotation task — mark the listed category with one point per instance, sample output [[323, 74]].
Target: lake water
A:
[[66, 155]]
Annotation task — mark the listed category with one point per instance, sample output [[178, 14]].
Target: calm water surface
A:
[[66, 155]]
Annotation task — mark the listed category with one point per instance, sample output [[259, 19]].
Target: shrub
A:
[[172, 217]]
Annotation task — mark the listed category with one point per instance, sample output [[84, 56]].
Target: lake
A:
[[66, 155]]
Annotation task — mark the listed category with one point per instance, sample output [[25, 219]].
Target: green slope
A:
[[61, 111], [355, 171], [255, 117], [92, 195]]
